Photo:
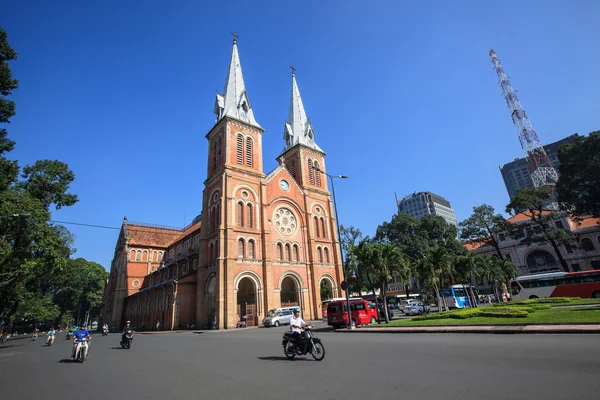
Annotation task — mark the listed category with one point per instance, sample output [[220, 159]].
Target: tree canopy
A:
[[32, 248], [578, 188]]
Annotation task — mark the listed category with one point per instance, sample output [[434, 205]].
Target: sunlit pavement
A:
[[250, 364]]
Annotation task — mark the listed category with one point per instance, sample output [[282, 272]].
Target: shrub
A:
[[490, 312]]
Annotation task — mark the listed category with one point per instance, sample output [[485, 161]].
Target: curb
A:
[[490, 329]]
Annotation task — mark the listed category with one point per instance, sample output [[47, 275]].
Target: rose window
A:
[[285, 221]]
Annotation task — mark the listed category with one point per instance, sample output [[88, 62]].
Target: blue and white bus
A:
[[456, 296]]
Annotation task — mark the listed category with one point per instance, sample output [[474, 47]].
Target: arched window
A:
[[145, 255], [214, 153], [317, 174], [132, 255], [326, 255], [241, 248], [250, 248], [287, 252], [279, 251], [295, 252], [323, 231], [240, 149], [311, 172], [160, 256], [138, 255], [316, 227], [248, 152], [220, 152], [154, 256], [587, 244], [293, 168], [218, 215], [249, 215], [211, 219], [210, 252], [319, 255], [240, 214]]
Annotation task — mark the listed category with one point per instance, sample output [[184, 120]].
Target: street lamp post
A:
[[337, 223]]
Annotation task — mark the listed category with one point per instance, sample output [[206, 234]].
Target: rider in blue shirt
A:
[[50, 333], [79, 335]]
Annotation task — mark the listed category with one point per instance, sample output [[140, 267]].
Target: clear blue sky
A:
[[402, 96]]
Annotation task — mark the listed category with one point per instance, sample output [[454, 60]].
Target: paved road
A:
[[249, 364]]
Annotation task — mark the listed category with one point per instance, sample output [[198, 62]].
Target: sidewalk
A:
[[498, 329]]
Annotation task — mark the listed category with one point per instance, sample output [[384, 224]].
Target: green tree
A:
[[540, 226], [349, 238], [31, 247], [483, 226], [36, 308], [79, 287], [578, 188]]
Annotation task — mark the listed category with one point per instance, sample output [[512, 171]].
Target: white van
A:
[[279, 316]]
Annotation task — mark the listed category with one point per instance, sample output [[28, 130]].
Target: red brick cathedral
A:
[[262, 240]]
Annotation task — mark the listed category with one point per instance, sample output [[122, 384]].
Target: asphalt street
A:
[[250, 364]]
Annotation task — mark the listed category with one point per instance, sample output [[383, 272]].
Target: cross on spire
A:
[[293, 69], [235, 36]]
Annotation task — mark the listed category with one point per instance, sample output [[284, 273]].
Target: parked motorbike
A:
[[126, 341], [50, 340], [81, 350], [308, 343]]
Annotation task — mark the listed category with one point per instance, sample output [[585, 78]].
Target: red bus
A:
[[363, 312], [557, 284]]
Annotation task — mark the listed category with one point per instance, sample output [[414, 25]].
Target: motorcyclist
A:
[[81, 334], [296, 325], [51, 333], [127, 328], [105, 328]]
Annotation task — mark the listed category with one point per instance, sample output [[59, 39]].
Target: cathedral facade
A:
[[262, 241]]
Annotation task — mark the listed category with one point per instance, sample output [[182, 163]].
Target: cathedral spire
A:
[[298, 128], [234, 102]]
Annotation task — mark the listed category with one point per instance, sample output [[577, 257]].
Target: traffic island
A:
[[497, 329]]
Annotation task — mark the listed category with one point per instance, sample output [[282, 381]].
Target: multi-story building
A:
[[582, 254], [263, 240], [516, 175], [420, 204]]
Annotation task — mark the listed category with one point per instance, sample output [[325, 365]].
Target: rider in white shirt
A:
[[296, 325]]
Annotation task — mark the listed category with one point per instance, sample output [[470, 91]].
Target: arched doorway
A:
[[326, 290], [541, 261], [246, 301], [289, 292], [209, 295]]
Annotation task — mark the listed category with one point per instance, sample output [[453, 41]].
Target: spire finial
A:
[[293, 69], [235, 37]]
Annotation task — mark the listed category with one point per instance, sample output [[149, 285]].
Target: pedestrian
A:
[[157, 325]]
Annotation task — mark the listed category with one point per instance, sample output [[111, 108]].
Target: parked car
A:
[[279, 316], [416, 308], [404, 303]]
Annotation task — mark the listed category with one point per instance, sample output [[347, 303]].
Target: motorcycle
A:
[[34, 336], [3, 338], [308, 343], [81, 350], [104, 332], [69, 334], [50, 340], [126, 341]]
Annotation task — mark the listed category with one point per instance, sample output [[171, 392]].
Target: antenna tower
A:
[[540, 168]]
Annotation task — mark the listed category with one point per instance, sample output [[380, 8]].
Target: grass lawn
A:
[[549, 316]]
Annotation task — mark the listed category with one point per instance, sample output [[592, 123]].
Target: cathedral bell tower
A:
[[301, 154], [234, 160]]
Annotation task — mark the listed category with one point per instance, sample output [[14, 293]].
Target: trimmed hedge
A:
[[490, 312], [549, 300], [520, 305]]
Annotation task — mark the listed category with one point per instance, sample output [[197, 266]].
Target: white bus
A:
[[557, 284]]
